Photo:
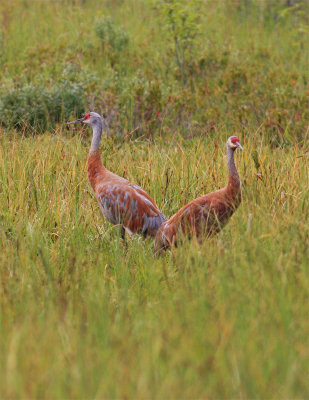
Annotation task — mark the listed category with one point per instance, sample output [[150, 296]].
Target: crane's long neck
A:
[[233, 185], [231, 164], [96, 170], [96, 136]]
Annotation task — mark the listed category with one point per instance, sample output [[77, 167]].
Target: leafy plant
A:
[[39, 106], [182, 22], [111, 37]]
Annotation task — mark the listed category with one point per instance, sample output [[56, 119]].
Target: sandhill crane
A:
[[122, 202], [207, 214]]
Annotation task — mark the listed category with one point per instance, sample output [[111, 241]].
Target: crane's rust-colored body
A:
[[122, 203], [207, 214]]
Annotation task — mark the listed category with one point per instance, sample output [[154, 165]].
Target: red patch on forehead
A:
[[87, 116], [234, 139]]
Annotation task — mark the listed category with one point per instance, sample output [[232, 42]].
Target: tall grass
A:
[[82, 317]]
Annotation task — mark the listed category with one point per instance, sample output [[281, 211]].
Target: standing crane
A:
[[122, 203], [207, 214]]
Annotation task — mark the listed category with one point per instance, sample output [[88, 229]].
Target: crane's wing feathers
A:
[[127, 204], [202, 216]]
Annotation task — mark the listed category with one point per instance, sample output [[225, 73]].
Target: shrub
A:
[[39, 106], [181, 20], [111, 37]]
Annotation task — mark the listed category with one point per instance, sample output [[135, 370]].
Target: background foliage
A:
[[80, 317], [158, 65]]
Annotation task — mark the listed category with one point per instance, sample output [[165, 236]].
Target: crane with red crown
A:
[[207, 214], [122, 203]]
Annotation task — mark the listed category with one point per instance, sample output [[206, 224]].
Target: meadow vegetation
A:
[[82, 317]]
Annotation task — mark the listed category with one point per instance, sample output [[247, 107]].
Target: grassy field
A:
[[80, 317]]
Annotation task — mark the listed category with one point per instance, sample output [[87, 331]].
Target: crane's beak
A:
[[75, 122], [239, 146]]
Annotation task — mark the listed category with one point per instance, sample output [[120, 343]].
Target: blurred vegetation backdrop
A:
[[82, 318], [157, 66]]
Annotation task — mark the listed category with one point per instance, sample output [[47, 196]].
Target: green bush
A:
[[181, 20], [39, 106], [111, 37]]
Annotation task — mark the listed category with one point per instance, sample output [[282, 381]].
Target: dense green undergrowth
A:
[[80, 315], [153, 67]]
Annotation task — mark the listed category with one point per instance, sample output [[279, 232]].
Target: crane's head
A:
[[234, 143], [92, 119]]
